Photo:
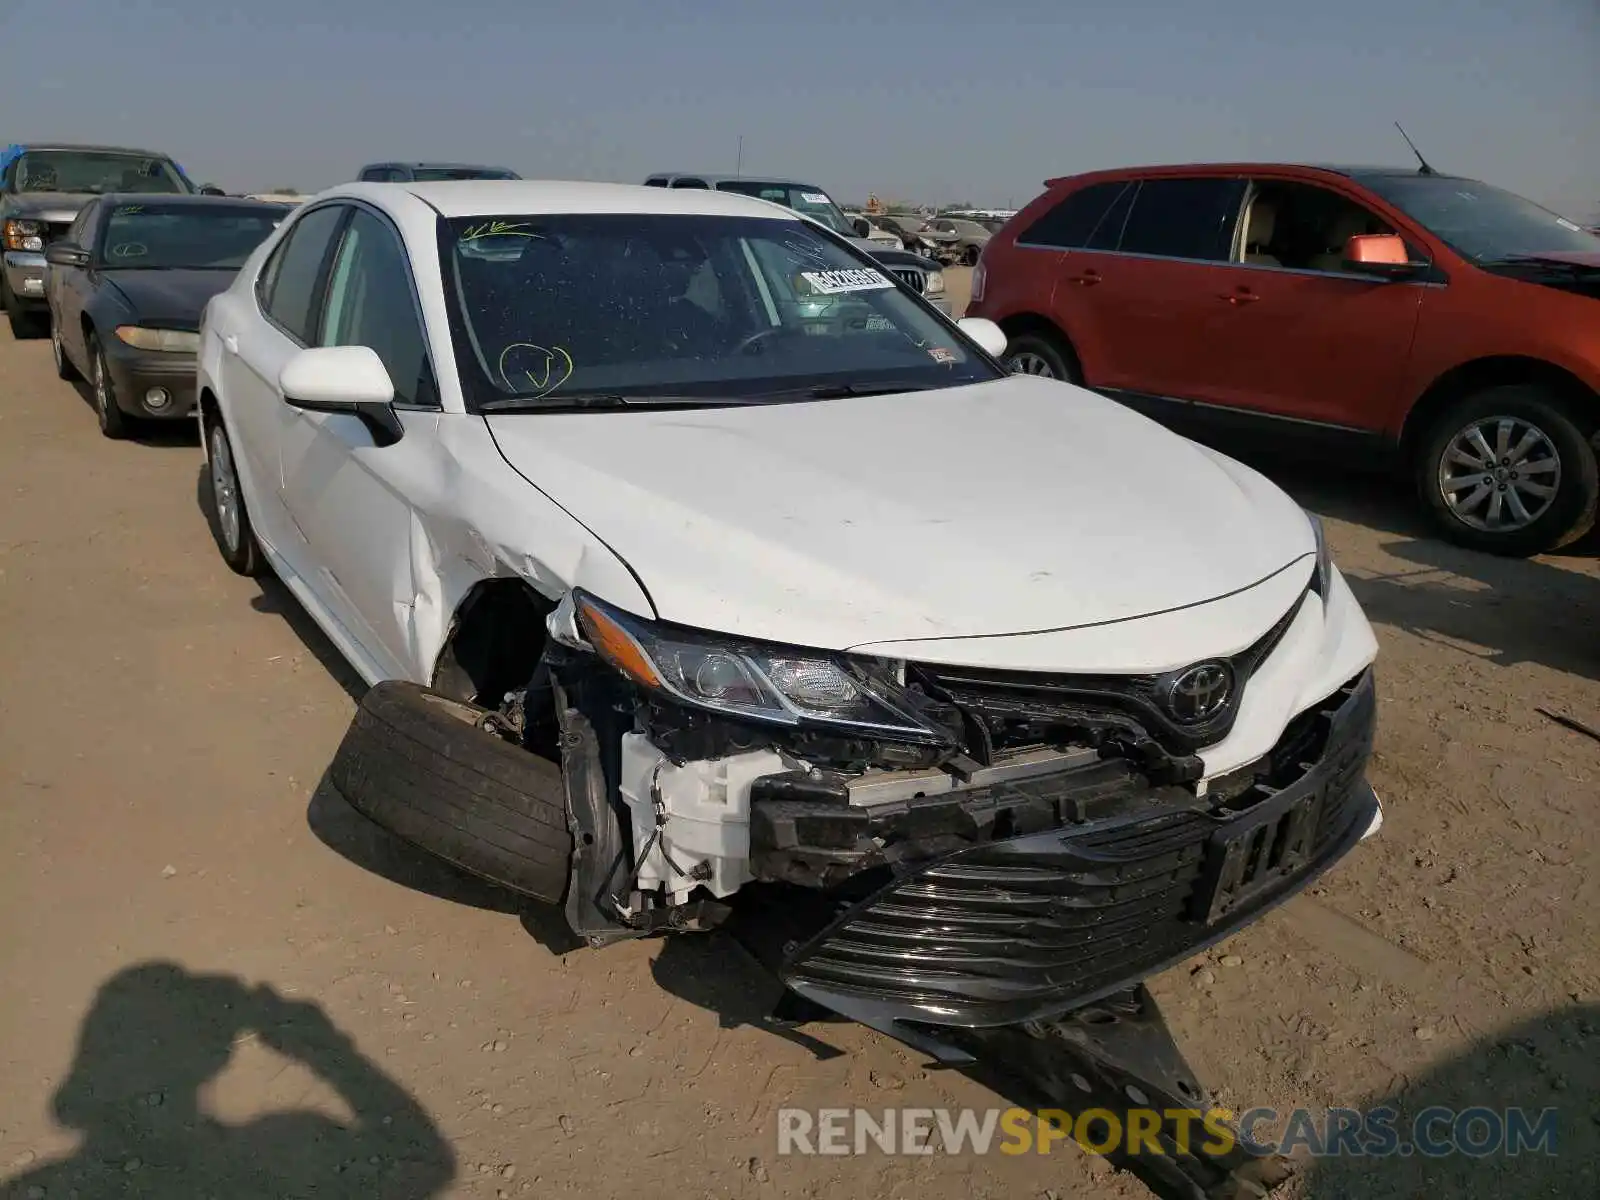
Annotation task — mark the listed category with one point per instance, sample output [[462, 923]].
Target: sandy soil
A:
[[177, 886]]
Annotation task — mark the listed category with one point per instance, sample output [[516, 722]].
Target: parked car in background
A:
[[43, 187], [426, 172], [911, 229], [706, 579], [868, 228], [958, 238], [125, 288], [1406, 316], [916, 271]]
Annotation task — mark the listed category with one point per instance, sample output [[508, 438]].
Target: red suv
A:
[[1438, 320]]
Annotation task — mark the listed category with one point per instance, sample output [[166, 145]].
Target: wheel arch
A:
[[493, 642], [1497, 371], [1018, 324]]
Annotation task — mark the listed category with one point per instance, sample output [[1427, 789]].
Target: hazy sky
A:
[[927, 99]]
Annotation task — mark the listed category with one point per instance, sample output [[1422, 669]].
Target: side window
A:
[[1073, 221], [371, 175], [1303, 227], [1107, 233], [370, 304], [691, 183], [80, 233], [289, 282], [656, 181], [1184, 218]]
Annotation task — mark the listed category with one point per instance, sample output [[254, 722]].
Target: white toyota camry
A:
[[705, 561]]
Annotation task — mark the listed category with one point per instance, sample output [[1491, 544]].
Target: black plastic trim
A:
[[1031, 927]]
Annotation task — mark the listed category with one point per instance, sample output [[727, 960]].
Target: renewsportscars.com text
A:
[[1477, 1132]]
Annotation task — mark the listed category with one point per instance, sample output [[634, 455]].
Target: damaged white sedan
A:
[[709, 578]]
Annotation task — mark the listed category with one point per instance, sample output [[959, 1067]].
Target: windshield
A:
[[95, 172], [552, 307], [157, 237], [436, 174], [1482, 222], [803, 198]]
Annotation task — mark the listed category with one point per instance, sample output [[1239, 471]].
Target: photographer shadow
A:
[[1551, 1063], [157, 1033]]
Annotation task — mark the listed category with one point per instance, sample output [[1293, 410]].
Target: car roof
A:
[[714, 178], [496, 197], [185, 200], [435, 164], [133, 151], [1247, 168]]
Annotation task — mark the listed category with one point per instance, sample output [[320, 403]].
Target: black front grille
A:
[[1032, 926], [1034, 699], [916, 280]]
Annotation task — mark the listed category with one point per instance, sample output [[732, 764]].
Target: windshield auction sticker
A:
[[834, 283]]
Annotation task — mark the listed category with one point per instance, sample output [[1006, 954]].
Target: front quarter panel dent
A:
[[479, 520]]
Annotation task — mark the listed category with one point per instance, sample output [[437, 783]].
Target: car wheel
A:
[[114, 422], [225, 510], [421, 765], [1507, 470], [64, 368], [969, 256], [1041, 355]]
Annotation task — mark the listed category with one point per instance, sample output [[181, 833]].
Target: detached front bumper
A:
[[154, 385], [25, 277], [1030, 927]]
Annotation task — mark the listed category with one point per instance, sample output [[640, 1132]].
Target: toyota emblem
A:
[[1200, 692]]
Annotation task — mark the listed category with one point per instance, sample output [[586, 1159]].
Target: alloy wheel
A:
[[102, 388], [1028, 363], [1499, 474], [225, 489]]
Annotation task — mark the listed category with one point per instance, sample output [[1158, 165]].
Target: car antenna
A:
[[1423, 168]]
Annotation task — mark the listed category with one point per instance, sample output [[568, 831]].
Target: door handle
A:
[[1088, 279], [230, 342], [1239, 296]]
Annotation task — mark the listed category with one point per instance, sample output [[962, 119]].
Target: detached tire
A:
[[1509, 471], [416, 763], [1042, 355]]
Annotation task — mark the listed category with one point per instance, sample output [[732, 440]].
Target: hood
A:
[[896, 258], [47, 206], [1015, 506], [171, 298], [870, 246]]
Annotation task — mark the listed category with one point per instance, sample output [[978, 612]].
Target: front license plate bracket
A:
[[1256, 853]]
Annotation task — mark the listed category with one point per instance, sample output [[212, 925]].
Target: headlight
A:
[[24, 235], [777, 685], [935, 284], [1323, 576], [142, 338]]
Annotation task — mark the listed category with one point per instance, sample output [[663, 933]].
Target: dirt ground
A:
[[176, 885]]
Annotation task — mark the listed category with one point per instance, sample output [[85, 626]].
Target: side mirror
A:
[[344, 379], [66, 254], [1383, 255], [863, 227], [212, 189], [986, 333]]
